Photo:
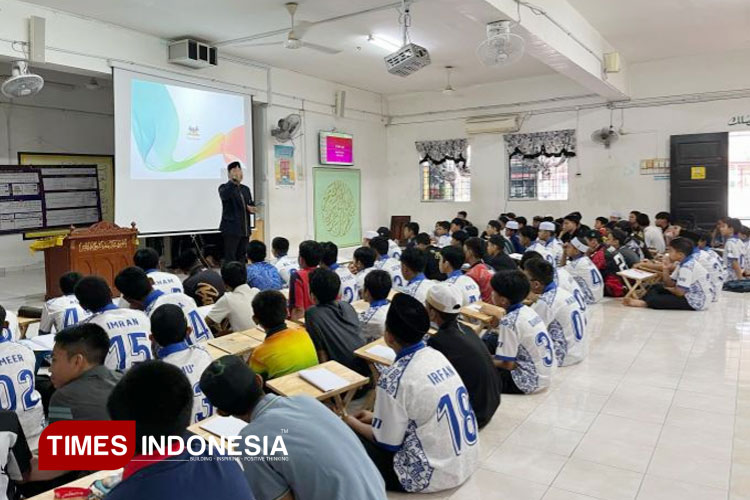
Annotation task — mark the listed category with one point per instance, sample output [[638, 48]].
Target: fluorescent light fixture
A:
[[383, 43]]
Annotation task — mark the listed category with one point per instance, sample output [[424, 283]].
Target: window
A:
[[444, 170], [538, 164]]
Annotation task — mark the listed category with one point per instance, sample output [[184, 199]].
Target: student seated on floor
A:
[[261, 274], [148, 260], [496, 257], [745, 237], [326, 460], [333, 325], [299, 284], [532, 244], [159, 398], [511, 232], [407, 436], [451, 260], [563, 279], [62, 312], [711, 261], [77, 371], [432, 267], [349, 292], [465, 351], [688, 287], [285, 350], [442, 234], [481, 273], [522, 349], [136, 288], [561, 313], [611, 257], [584, 271], [375, 292], [202, 284], [363, 263], [413, 263], [734, 248], [18, 366], [284, 264], [389, 264], [127, 329], [169, 333], [233, 312], [547, 230]]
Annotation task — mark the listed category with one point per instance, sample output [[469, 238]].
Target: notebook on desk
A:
[[323, 379], [224, 426]]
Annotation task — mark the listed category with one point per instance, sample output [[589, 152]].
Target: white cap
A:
[[445, 298], [511, 224], [547, 226], [579, 245], [616, 214], [371, 234]]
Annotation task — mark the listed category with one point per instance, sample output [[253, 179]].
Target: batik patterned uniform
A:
[[539, 247], [394, 251], [711, 262], [734, 251], [17, 389], [128, 331], [60, 313], [372, 321], [418, 287], [694, 280], [556, 249], [565, 280], [393, 267], [285, 265], [566, 324], [349, 290], [12, 331], [166, 282], [361, 279], [192, 360], [200, 330], [588, 277], [468, 287], [522, 337], [423, 414]]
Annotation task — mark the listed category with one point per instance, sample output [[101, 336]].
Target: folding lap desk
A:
[[637, 281]]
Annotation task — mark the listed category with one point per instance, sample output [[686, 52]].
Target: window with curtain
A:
[[538, 164], [445, 172]]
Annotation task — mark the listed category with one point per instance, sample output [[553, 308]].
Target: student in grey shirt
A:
[[78, 373], [325, 460]]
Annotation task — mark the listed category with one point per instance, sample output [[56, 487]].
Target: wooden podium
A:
[[103, 249]]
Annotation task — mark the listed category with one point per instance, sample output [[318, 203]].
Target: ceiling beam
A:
[[560, 37]]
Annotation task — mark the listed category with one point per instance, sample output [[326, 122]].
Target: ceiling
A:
[[646, 30], [449, 29]]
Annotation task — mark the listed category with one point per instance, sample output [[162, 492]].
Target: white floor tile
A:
[[649, 404], [489, 485], [660, 488], [545, 437], [600, 481], [520, 461]]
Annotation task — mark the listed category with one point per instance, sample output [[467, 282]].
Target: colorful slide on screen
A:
[[184, 133]]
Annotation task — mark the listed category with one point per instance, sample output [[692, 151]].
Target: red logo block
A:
[[87, 445]]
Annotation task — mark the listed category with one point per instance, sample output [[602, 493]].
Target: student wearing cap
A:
[[547, 231], [326, 461], [474, 251], [423, 435], [584, 271], [560, 311], [615, 216], [413, 263], [465, 351], [451, 260], [511, 232], [530, 241], [496, 257]]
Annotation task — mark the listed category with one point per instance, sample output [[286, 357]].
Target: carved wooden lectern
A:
[[103, 249]]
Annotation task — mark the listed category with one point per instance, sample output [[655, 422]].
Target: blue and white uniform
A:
[[423, 414], [165, 282], [17, 389], [393, 267], [588, 277], [418, 287], [711, 262], [443, 241], [12, 331], [734, 251], [694, 280], [522, 337], [128, 331], [200, 331], [394, 251], [372, 321], [60, 313], [539, 247], [555, 248], [566, 324], [468, 287], [360, 276], [349, 290], [285, 265], [193, 361]]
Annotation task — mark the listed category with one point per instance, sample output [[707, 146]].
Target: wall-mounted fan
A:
[[287, 128], [502, 47], [605, 136], [21, 83]]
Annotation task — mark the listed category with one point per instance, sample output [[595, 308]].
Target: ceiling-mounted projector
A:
[[407, 60]]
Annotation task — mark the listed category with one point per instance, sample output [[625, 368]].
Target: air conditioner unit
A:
[[192, 53], [502, 124]]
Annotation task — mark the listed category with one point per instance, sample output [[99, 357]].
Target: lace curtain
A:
[[438, 152], [446, 175], [557, 143]]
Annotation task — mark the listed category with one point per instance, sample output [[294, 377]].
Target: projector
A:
[[407, 60], [192, 53]]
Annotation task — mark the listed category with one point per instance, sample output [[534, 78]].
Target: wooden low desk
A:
[[637, 281], [260, 335], [214, 352], [373, 358], [24, 324], [235, 343], [294, 385], [83, 482], [208, 436], [360, 306], [472, 314]]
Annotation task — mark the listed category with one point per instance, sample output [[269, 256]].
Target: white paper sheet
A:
[[323, 379], [224, 426], [382, 351]]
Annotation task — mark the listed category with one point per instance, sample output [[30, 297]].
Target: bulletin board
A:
[[337, 206]]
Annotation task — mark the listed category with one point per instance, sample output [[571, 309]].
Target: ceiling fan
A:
[[294, 36]]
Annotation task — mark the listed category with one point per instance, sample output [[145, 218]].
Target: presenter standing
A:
[[236, 207]]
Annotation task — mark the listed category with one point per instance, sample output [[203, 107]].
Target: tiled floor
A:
[[660, 410]]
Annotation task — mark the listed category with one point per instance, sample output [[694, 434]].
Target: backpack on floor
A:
[[739, 286]]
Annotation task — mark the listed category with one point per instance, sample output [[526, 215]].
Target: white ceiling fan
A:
[[294, 36]]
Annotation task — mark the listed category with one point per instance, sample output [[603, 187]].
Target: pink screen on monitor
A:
[[339, 149]]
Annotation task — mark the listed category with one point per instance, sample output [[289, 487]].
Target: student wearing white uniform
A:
[[235, 307], [169, 332], [711, 262], [284, 263], [734, 248], [394, 251], [442, 234], [10, 330], [423, 435], [451, 260], [127, 328], [547, 236], [528, 237], [17, 366], [413, 263], [349, 291], [148, 260], [523, 351], [564, 281], [652, 235], [584, 271], [62, 312], [560, 311], [375, 291], [137, 290], [362, 265], [386, 263]]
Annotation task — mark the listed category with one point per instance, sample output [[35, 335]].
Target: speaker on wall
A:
[[340, 103]]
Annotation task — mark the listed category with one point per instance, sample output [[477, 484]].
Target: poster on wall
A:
[[283, 164], [337, 206]]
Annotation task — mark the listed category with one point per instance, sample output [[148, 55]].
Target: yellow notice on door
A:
[[697, 173]]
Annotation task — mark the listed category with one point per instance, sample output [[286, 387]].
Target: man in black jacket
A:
[[236, 208]]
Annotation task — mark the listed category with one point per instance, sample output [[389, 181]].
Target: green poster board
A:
[[338, 216]]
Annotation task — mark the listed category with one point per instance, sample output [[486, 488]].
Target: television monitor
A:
[[336, 148]]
